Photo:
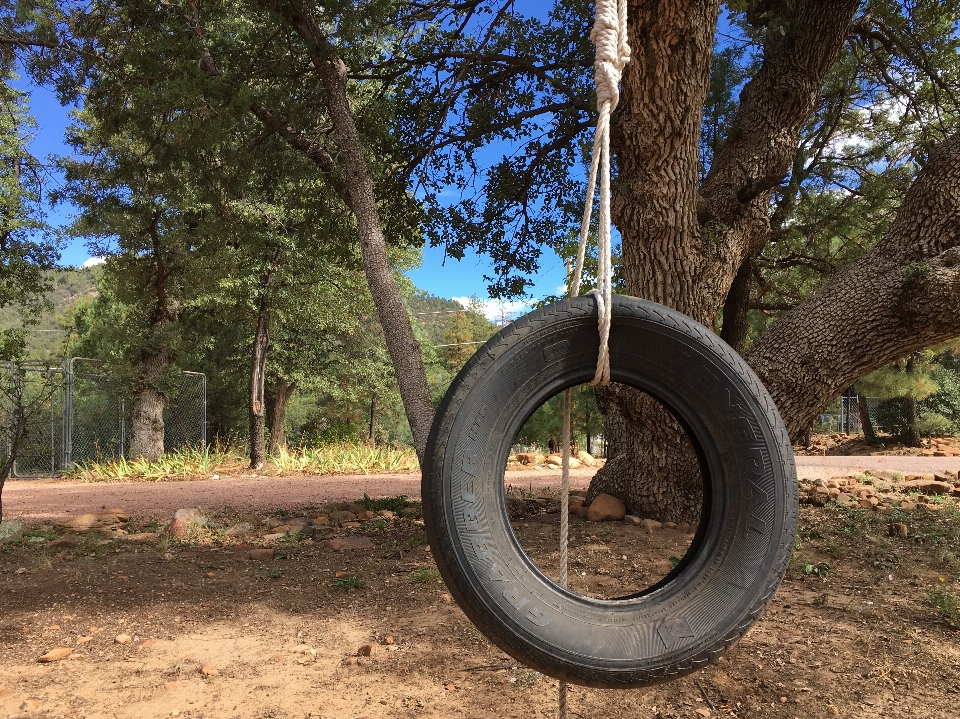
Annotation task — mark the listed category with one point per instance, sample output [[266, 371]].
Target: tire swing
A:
[[750, 495]]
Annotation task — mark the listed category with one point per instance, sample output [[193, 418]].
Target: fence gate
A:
[[89, 418]]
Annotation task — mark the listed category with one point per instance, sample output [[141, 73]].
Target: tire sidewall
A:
[[741, 550]]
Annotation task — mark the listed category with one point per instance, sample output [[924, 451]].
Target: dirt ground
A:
[[838, 444], [208, 632]]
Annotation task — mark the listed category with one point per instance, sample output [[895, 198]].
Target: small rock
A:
[[683, 527], [341, 517], [669, 525], [897, 529], [239, 530], [274, 537], [261, 555], [208, 670], [606, 507], [29, 705], [67, 541], [183, 519], [122, 639], [388, 639], [147, 643], [446, 597], [350, 543], [873, 701], [908, 505], [367, 650], [321, 522], [650, 525], [55, 655], [704, 712], [632, 519], [366, 515], [410, 512], [530, 458], [350, 525], [386, 514]]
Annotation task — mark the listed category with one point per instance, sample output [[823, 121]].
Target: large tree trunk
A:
[[358, 193], [683, 247], [156, 362], [257, 406], [279, 392]]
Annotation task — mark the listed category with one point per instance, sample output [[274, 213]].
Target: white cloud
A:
[[94, 261], [498, 310]]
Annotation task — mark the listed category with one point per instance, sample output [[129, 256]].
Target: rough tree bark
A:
[[358, 194], [156, 361], [258, 371], [683, 245], [279, 392]]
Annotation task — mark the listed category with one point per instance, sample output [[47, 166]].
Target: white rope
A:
[[613, 53]]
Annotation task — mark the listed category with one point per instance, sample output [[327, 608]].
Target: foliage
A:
[[947, 603], [341, 458], [423, 575], [544, 427], [353, 581]]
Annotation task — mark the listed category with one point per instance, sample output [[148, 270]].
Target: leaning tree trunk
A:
[[865, 422], [682, 246], [279, 392], [357, 191]]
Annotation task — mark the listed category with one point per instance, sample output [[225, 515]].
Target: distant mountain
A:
[[70, 286]]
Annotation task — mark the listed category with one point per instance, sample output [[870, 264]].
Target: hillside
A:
[[70, 285]]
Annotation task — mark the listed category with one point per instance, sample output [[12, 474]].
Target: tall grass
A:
[[194, 464]]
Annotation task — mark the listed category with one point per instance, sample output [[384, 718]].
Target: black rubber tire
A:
[[746, 535]]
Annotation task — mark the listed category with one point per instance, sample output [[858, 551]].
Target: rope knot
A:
[[609, 35]]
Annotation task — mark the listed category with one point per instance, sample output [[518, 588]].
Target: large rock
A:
[[606, 507], [586, 459], [926, 486], [107, 519], [530, 458], [11, 531]]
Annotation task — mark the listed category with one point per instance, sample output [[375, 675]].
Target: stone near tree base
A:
[[683, 527], [632, 520], [650, 525], [606, 507]]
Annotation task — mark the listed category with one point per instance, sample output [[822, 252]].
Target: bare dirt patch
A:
[[851, 633]]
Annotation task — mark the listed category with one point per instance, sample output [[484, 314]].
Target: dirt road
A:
[[49, 499]]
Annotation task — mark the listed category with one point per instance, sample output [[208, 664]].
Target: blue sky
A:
[[439, 275]]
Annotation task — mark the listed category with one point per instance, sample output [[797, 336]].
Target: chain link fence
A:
[[89, 417], [887, 416]]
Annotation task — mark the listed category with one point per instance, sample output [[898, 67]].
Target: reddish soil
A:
[[852, 632]]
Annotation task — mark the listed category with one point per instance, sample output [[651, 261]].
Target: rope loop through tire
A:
[[744, 541]]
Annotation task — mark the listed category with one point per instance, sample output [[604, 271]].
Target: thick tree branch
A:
[[774, 106], [900, 297]]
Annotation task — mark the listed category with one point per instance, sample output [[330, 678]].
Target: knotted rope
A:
[[609, 36]]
